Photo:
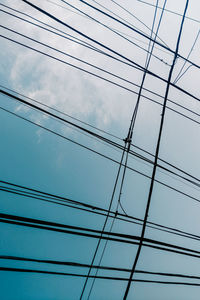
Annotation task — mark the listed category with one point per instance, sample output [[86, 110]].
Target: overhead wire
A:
[[95, 233], [133, 29], [82, 14], [156, 158], [135, 17], [81, 265], [114, 31], [89, 148], [179, 75], [169, 11], [94, 277], [68, 202], [145, 97], [57, 31], [103, 131], [128, 143], [113, 51], [19, 270]]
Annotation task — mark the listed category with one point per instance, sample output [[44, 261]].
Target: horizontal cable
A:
[[51, 198], [93, 233], [98, 277], [105, 268]]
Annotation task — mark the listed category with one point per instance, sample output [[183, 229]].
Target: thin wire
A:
[[52, 198], [183, 107], [113, 51], [117, 145], [94, 233], [62, 113], [114, 31], [19, 270], [132, 15], [178, 77], [102, 155], [156, 159], [170, 11], [129, 138], [75, 264], [133, 29]]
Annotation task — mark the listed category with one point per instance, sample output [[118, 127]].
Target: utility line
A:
[[156, 158], [145, 97], [80, 265], [169, 11], [57, 31], [129, 136], [133, 29], [135, 17], [94, 233], [82, 15], [119, 17], [114, 31], [103, 131], [112, 82], [9, 269], [113, 51], [103, 155], [61, 112], [51, 198], [178, 77]]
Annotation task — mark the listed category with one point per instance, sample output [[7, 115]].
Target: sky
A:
[[49, 155]]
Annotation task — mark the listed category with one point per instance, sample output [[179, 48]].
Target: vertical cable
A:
[[156, 156]]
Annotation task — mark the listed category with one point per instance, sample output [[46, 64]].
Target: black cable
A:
[[133, 29], [61, 112], [64, 35], [135, 17], [192, 48], [52, 198], [103, 131], [8, 269], [80, 265], [94, 233], [113, 30], [156, 94], [74, 57], [129, 139], [66, 63], [156, 158], [170, 11], [134, 64], [102, 155], [109, 81]]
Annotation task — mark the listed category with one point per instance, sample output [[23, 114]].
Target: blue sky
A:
[[33, 157]]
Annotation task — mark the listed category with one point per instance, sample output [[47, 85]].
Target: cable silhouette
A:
[[156, 159]]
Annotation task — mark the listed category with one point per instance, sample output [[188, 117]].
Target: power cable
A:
[[156, 158], [52, 198], [9, 269], [113, 51], [60, 200], [133, 29], [95, 233], [178, 77], [135, 17], [80, 265], [114, 31], [169, 11], [96, 152], [128, 141], [145, 97]]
